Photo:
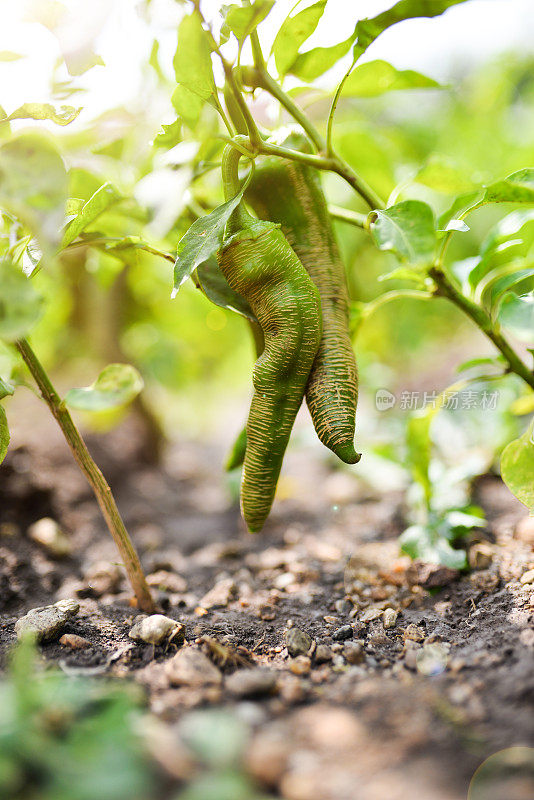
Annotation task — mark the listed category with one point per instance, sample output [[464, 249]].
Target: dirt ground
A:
[[393, 690]]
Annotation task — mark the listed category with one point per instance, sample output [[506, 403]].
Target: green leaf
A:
[[377, 77], [408, 230], [33, 185], [516, 188], [517, 468], [32, 257], [9, 55], [499, 281], [311, 64], [455, 225], [187, 105], [78, 62], [369, 29], [481, 362], [517, 315], [293, 33], [423, 542], [510, 239], [192, 60], [459, 207], [202, 240], [169, 136], [236, 456], [444, 178], [116, 385], [102, 199], [242, 20], [6, 388], [523, 405], [44, 111], [20, 305], [216, 288], [419, 447], [4, 434], [419, 443]]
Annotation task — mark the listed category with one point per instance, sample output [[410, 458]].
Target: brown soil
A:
[[400, 718]]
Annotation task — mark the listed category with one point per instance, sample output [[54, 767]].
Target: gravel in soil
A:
[[352, 666]]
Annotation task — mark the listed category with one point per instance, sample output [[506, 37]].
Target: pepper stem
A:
[[240, 218]]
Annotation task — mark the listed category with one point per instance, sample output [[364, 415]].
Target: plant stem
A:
[[360, 186], [333, 107], [258, 77], [253, 131], [346, 215], [329, 164], [94, 476], [446, 288], [110, 240]]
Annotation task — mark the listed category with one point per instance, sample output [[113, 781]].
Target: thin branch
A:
[[225, 119], [328, 164], [360, 186], [104, 240], [446, 288], [253, 131], [333, 107], [346, 215], [253, 76], [94, 476], [261, 79]]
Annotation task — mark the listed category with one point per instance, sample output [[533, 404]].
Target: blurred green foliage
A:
[[63, 738]]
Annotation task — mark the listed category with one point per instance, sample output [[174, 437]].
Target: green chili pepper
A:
[[236, 456], [290, 194], [261, 266]]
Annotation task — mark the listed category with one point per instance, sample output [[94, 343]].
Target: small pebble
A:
[[103, 578], [190, 667], [298, 642], [410, 659], [525, 530], [300, 665], [414, 633], [156, 629], [46, 622], [345, 632], [527, 577], [353, 653], [323, 654], [430, 576], [389, 619], [167, 581], [431, 659], [49, 535], [74, 642], [370, 614], [343, 606], [254, 682], [222, 593], [480, 556]]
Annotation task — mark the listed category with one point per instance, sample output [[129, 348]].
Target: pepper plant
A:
[[223, 73], [494, 289]]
